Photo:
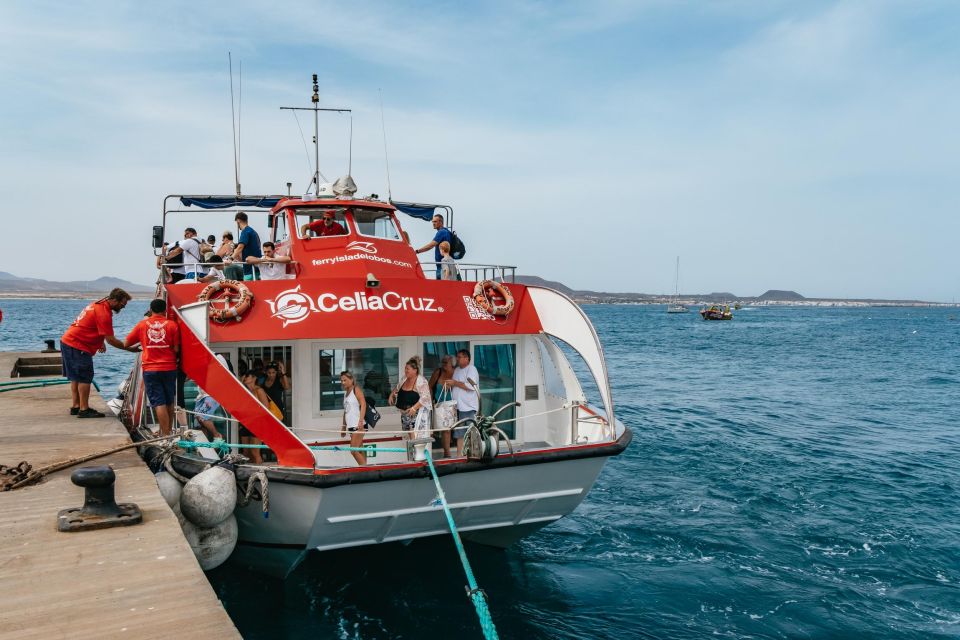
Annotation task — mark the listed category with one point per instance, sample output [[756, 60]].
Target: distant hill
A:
[[15, 285], [776, 294]]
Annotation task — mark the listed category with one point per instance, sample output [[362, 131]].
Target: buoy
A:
[[209, 497], [211, 545], [170, 488]]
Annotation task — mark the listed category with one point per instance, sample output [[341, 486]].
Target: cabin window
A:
[[497, 366], [306, 216], [259, 359], [433, 353], [375, 222], [376, 371], [281, 233]]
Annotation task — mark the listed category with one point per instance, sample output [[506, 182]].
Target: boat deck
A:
[[130, 582]]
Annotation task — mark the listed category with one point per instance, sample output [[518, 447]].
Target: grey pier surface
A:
[[138, 581]]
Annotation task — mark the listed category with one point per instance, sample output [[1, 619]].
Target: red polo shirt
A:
[[91, 326], [320, 229], [157, 337]]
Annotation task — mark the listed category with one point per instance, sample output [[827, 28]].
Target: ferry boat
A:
[[361, 301]]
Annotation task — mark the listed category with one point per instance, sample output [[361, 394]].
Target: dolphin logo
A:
[[292, 306], [359, 245]]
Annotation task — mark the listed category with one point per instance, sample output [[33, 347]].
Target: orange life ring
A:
[[234, 291], [483, 295]]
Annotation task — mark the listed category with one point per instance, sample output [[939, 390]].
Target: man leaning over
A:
[[84, 338]]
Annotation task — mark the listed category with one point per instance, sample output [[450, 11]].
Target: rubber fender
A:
[[209, 497], [170, 488], [212, 545]]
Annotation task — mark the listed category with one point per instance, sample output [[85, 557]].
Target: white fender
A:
[[209, 497], [170, 488], [212, 545]]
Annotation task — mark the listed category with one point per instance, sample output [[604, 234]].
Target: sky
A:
[[810, 146]]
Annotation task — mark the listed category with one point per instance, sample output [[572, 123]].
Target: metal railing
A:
[[474, 272]]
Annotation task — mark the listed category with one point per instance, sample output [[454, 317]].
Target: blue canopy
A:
[[422, 211], [225, 202]]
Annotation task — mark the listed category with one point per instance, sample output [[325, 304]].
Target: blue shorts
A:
[[161, 387], [460, 431], [77, 364]]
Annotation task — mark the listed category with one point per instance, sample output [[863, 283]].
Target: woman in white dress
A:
[[354, 410]]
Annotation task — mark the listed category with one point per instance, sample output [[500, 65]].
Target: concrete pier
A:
[[139, 581]]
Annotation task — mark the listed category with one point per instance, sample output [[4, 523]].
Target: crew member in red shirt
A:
[[325, 226], [159, 339], [83, 339]]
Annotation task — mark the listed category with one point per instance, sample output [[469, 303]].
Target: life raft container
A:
[[484, 293], [236, 294]]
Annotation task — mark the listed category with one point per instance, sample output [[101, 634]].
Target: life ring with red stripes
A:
[[236, 294], [485, 294]]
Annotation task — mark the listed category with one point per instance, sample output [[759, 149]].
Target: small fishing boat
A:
[[675, 306], [361, 301], [716, 312]]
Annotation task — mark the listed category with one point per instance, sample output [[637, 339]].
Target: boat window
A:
[[433, 352], [281, 233], [375, 370], [497, 366], [308, 216], [260, 358], [552, 378], [375, 222]]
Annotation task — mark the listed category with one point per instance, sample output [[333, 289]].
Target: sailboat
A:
[[675, 306]]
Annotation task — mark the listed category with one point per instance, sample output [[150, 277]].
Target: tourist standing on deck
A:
[[412, 395], [248, 245], [443, 235], [276, 382], [83, 339], [158, 337], [465, 392], [354, 412]]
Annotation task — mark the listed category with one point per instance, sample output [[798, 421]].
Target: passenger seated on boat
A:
[[325, 226], [207, 411], [214, 274], [272, 266]]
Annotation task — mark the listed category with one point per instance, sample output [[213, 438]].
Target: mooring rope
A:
[[477, 595]]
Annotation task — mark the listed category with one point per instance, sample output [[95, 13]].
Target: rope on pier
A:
[[26, 475], [474, 592]]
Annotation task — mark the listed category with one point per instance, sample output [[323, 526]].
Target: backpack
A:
[[177, 259], [457, 249]]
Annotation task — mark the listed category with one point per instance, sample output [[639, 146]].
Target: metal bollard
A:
[[99, 509], [51, 347]]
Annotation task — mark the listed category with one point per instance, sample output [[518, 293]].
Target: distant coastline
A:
[[16, 288]]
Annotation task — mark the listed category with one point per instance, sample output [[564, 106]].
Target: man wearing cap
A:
[[158, 337], [325, 226], [83, 339]]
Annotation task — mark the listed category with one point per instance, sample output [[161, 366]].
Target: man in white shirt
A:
[[466, 393], [192, 254], [272, 266]]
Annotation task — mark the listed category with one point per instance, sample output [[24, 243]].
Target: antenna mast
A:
[[233, 115], [316, 108]]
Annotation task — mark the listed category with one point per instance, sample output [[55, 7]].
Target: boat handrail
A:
[[471, 271]]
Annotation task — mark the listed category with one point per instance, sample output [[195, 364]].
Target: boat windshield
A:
[[376, 223], [308, 216]]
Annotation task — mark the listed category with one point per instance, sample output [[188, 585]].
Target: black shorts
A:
[[77, 364]]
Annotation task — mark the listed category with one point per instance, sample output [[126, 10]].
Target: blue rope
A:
[[31, 384], [225, 447], [476, 594]]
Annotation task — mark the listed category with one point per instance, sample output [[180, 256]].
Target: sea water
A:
[[794, 474]]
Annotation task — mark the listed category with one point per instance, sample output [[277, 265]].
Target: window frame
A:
[[347, 224], [389, 214], [317, 346]]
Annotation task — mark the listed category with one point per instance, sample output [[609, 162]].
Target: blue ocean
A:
[[795, 473]]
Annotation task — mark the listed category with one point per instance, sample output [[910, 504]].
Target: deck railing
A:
[[474, 272]]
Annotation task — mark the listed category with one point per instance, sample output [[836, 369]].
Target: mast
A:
[[316, 108]]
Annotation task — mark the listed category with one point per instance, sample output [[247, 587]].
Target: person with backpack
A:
[[443, 235]]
